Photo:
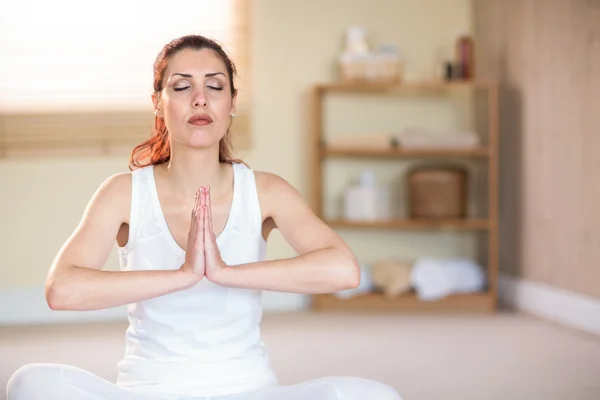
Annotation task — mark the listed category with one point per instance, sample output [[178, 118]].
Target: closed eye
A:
[[180, 89], [215, 87]]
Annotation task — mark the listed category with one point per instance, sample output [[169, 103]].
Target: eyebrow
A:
[[209, 75]]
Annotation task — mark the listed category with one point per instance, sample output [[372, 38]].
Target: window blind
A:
[[81, 72]]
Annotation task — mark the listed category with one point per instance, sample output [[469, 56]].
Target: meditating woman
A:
[[191, 225]]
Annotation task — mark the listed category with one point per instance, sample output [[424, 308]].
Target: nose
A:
[[199, 99]]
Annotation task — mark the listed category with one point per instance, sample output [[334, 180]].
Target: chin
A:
[[202, 140]]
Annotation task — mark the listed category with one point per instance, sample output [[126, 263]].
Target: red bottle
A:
[[465, 56]]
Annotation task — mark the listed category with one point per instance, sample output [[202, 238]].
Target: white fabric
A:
[[61, 382], [207, 331], [435, 278], [199, 343]]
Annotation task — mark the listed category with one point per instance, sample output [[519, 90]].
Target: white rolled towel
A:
[[436, 278]]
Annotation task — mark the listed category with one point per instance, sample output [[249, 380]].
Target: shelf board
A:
[[476, 302], [459, 224], [358, 87], [475, 152]]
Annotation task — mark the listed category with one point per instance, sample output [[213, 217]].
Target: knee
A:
[[385, 392], [381, 391], [362, 388], [30, 382]]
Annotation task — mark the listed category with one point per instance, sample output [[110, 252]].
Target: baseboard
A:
[[551, 303], [284, 302], [27, 306]]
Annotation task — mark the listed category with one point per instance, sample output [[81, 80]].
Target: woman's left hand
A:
[[213, 263]]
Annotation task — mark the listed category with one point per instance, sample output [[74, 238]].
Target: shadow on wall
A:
[[511, 171]]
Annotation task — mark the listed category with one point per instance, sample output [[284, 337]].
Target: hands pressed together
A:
[[202, 253]]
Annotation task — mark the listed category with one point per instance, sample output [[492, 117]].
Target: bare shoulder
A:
[[117, 183], [93, 238], [266, 181], [114, 195], [116, 186], [274, 190]]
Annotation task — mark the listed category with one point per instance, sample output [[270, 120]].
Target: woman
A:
[[192, 282]]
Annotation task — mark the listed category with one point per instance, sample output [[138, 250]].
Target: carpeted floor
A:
[[497, 357]]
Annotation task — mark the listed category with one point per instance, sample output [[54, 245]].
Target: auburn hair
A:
[[157, 149]]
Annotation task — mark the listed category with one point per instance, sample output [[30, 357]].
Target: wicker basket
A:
[[370, 69], [437, 192]]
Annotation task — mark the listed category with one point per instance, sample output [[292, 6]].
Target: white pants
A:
[[57, 381]]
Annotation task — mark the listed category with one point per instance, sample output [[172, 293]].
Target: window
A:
[[62, 59]]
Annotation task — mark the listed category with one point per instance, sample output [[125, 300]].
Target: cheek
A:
[[222, 107], [174, 110]]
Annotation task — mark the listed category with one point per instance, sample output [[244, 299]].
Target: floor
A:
[[502, 356]]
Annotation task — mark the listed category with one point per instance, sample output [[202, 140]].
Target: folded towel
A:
[[434, 278], [371, 141], [419, 137]]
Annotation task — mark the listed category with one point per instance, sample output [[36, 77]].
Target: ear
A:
[[157, 106], [233, 101]]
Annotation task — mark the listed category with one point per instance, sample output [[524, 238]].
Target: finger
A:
[[199, 206], [192, 233], [195, 221], [208, 237], [207, 200], [209, 216], [201, 255], [206, 195], [196, 200], [194, 216], [200, 229]]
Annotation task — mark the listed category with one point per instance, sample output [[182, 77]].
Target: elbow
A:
[[54, 296], [51, 296], [351, 273]]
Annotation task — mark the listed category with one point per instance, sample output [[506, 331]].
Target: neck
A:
[[189, 169]]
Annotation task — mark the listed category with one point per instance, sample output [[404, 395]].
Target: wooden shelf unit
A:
[[478, 302], [420, 87], [442, 224], [478, 152]]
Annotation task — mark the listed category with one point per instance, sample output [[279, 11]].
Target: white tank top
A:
[[205, 340]]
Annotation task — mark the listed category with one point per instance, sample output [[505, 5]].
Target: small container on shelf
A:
[[437, 192], [360, 64], [366, 201], [381, 67]]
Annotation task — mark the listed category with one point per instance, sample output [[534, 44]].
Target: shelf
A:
[[477, 302], [476, 152], [485, 155], [459, 224], [350, 87]]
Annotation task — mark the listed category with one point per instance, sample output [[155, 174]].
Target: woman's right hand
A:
[[194, 264]]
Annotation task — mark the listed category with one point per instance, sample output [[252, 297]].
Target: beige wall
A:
[[293, 47], [547, 56]]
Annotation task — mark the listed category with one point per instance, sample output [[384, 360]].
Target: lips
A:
[[200, 120]]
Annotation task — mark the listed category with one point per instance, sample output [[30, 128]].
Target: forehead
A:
[[195, 62]]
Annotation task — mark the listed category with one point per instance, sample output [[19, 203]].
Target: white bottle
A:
[[363, 201], [356, 41], [369, 194]]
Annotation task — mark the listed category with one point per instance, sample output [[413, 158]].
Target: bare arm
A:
[[75, 280], [325, 263]]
